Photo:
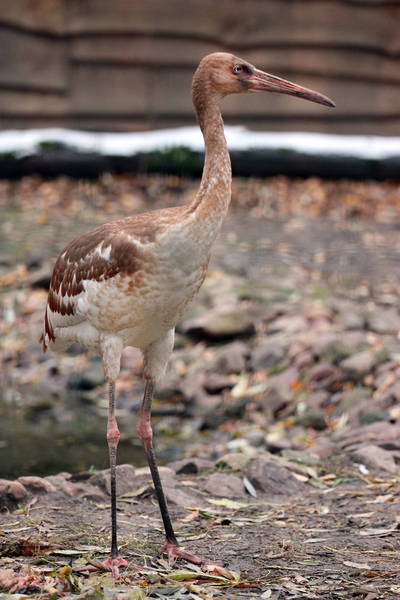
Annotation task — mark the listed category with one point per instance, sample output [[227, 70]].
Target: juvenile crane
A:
[[128, 282]]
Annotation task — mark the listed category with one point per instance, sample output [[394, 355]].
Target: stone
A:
[[236, 461], [219, 324], [231, 358], [371, 416], [57, 480], [376, 458], [13, 490], [361, 363], [392, 393], [321, 371], [301, 456], [88, 379], [384, 321], [80, 489], [274, 399], [255, 437], [325, 342], [354, 400], [304, 360], [126, 479], [216, 382], [177, 494], [325, 447], [351, 319], [325, 376], [33, 259], [224, 485], [353, 340], [314, 419], [380, 433], [191, 466], [319, 399], [268, 353], [272, 478], [37, 484], [289, 324], [145, 472]]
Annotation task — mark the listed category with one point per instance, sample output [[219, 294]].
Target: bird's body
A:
[[128, 282]]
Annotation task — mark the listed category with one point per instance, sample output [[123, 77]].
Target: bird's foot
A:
[[114, 564], [174, 553]]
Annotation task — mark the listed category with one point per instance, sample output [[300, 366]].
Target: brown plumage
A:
[[127, 283]]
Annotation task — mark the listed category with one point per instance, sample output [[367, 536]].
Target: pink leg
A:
[[145, 433], [114, 561]]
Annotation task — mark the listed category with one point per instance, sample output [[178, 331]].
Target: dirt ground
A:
[[288, 417], [338, 539]]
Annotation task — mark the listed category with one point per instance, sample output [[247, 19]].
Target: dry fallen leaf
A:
[[354, 565]]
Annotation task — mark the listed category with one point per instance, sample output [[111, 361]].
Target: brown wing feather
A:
[[79, 261]]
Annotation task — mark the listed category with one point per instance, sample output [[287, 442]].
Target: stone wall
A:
[[127, 64]]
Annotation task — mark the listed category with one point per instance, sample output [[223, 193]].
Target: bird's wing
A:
[[118, 247]]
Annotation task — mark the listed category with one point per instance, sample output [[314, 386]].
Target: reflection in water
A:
[[44, 443]]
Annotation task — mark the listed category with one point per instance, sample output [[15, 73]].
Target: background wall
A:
[[127, 65]]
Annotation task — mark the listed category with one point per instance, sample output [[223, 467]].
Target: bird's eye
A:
[[237, 69]]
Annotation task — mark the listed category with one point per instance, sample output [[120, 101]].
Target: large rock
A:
[[375, 458], [379, 433], [191, 466], [236, 461], [79, 489], [361, 363], [11, 493], [384, 321], [272, 478], [269, 352], [220, 324], [37, 484], [176, 493], [126, 479], [224, 485], [289, 324], [231, 358]]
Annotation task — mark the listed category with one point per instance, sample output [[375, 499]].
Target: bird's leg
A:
[[114, 561], [145, 433]]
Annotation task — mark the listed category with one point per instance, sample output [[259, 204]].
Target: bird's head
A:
[[225, 74]]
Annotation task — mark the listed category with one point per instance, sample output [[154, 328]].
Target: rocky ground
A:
[[282, 398]]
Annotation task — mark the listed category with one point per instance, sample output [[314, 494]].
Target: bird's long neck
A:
[[211, 202]]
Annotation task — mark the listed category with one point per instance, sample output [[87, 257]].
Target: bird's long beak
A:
[[264, 82]]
